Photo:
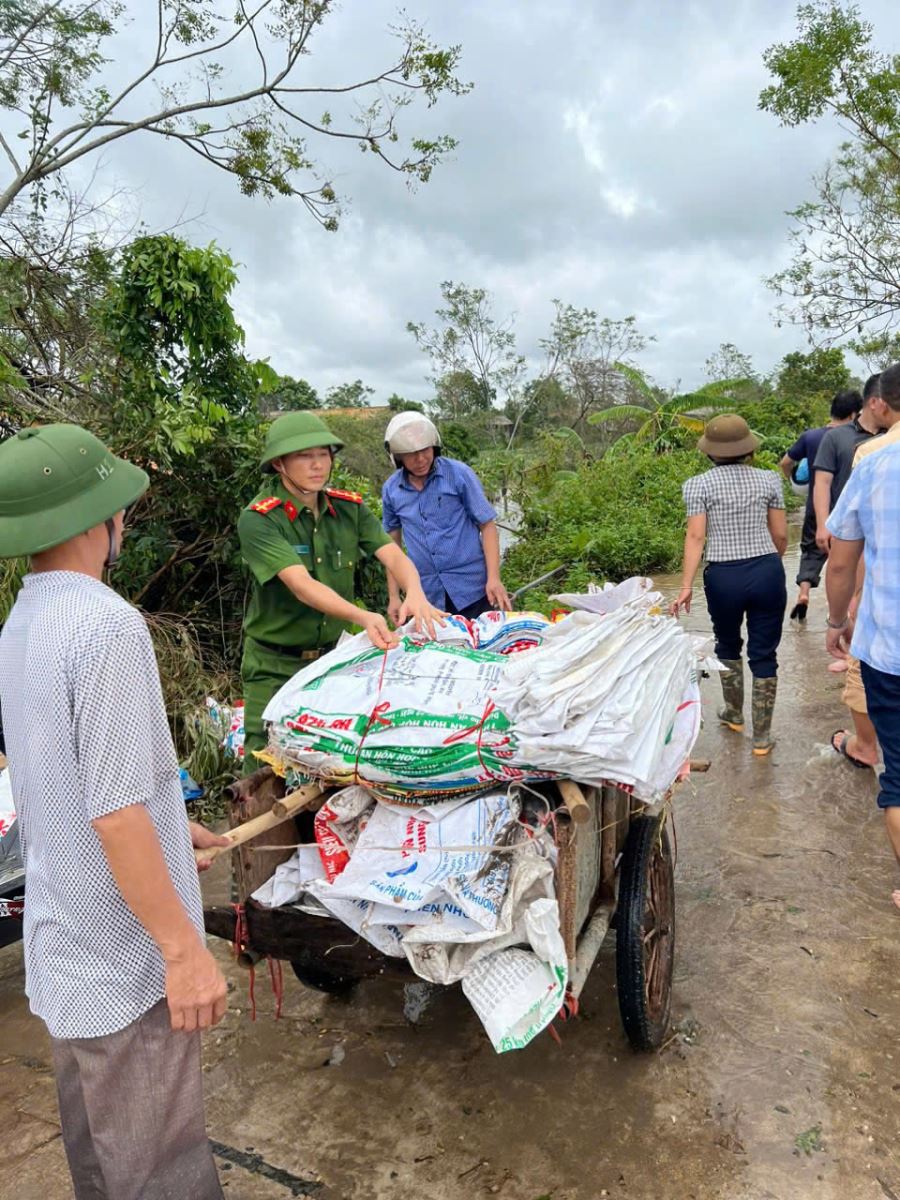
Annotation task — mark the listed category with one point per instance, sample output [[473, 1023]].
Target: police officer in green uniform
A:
[[302, 541]]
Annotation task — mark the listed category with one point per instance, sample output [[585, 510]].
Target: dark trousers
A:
[[265, 669], [883, 701], [131, 1105], [754, 588], [471, 611], [812, 559]]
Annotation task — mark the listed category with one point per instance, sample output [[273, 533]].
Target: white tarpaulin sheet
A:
[[606, 697]]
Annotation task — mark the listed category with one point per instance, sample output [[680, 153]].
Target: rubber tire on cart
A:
[[645, 933], [313, 973]]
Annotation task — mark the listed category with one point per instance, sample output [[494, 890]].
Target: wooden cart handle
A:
[[289, 806], [573, 796]]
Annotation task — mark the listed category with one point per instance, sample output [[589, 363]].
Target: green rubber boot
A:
[[732, 715], [763, 706]]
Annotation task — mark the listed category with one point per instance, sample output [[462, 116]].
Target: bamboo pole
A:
[[289, 806], [579, 809]]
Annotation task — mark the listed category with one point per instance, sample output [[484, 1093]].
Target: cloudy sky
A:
[[610, 154]]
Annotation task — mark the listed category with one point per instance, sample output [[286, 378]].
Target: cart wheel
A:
[[645, 933], [324, 978]]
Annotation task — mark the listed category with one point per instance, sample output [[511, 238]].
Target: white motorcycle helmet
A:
[[409, 432]]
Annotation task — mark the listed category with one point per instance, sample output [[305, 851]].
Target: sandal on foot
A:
[[840, 747], [798, 612]]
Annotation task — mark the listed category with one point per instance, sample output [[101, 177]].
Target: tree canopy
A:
[[225, 81], [349, 395], [473, 354], [288, 395], [844, 277], [820, 372]]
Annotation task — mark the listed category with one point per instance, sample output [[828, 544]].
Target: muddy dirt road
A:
[[782, 1079]]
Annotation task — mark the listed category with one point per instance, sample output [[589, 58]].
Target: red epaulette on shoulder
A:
[[266, 505], [339, 494]]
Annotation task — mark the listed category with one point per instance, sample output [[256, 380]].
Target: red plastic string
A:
[[569, 1010], [242, 944], [276, 978], [477, 727], [375, 717]]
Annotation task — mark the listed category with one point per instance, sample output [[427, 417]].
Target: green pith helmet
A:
[[57, 481], [296, 431]]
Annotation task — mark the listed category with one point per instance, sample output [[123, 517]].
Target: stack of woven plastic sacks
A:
[[436, 849]]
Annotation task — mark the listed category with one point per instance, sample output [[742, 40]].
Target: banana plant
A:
[[663, 422]]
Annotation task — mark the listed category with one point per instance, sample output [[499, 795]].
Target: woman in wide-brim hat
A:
[[735, 511]]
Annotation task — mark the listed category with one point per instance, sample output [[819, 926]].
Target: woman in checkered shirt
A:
[[736, 512]]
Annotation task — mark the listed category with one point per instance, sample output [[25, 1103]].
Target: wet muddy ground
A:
[[781, 1080]]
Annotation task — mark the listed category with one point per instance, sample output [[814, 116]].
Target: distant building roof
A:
[[368, 410], [702, 414]]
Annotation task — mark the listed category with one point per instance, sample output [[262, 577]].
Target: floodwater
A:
[[781, 1079]]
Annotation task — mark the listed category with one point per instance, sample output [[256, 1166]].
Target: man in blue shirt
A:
[[866, 521], [438, 507], [844, 407]]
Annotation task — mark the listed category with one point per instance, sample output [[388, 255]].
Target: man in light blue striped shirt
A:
[[438, 506], [866, 522]]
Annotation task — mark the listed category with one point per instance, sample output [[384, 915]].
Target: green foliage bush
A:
[[618, 516], [459, 442], [362, 433], [606, 519], [779, 419]]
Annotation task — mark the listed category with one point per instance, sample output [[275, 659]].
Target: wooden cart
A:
[[614, 870]]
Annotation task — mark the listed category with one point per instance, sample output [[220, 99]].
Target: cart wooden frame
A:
[[614, 870]]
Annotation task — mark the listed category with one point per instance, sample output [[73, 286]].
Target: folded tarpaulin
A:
[[415, 722], [608, 696]]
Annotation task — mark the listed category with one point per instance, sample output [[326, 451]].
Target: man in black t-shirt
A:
[[834, 460], [844, 408]]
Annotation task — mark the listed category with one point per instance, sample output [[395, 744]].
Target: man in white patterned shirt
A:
[[115, 959]]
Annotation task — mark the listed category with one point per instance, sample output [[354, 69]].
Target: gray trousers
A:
[[132, 1114]]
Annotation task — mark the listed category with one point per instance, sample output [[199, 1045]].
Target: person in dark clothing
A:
[[844, 408], [834, 459]]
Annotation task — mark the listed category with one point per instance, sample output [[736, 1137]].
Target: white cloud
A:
[[622, 199], [581, 121], [666, 108]]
